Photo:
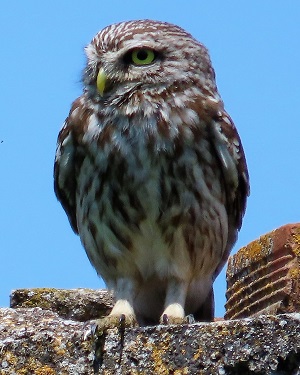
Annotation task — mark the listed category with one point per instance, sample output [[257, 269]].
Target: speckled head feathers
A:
[[112, 36], [180, 57]]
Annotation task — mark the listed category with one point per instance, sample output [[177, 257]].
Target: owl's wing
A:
[[65, 166], [229, 150], [227, 145]]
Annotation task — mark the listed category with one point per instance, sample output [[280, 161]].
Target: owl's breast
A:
[[148, 211]]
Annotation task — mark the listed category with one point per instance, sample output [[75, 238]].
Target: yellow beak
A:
[[101, 81]]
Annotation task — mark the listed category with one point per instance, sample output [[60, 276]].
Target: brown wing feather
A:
[[67, 160], [229, 149], [226, 139]]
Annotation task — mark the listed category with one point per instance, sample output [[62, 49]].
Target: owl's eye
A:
[[141, 56]]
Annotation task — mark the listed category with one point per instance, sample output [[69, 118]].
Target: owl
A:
[[151, 172]]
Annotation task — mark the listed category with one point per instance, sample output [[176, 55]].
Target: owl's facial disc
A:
[[115, 71], [138, 57]]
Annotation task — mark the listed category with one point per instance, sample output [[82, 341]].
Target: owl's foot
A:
[[122, 316], [173, 314], [121, 322], [166, 320]]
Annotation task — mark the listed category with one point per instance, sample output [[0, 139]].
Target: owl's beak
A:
[[101, 81]]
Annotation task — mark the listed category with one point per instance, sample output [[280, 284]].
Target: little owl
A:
[[151, 172]]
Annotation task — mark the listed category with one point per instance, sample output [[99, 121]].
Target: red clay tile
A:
[[264, 276]]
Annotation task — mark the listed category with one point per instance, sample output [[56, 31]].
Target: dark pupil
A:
[[142, 55]]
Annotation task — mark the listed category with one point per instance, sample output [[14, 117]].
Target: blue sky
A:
[[254, 46]]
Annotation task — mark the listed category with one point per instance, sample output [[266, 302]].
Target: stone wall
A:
[[37, 341]]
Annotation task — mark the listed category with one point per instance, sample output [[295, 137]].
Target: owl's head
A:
[[147, 57]]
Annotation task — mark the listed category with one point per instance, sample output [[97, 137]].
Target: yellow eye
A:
[[142, 56]]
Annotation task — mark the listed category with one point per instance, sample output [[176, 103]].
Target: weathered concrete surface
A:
[[36, 341], [265, 345], [75, 304]]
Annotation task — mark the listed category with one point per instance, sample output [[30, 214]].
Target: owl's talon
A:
[[190, 319], [169, 320], [165, 319], [94, 327]]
